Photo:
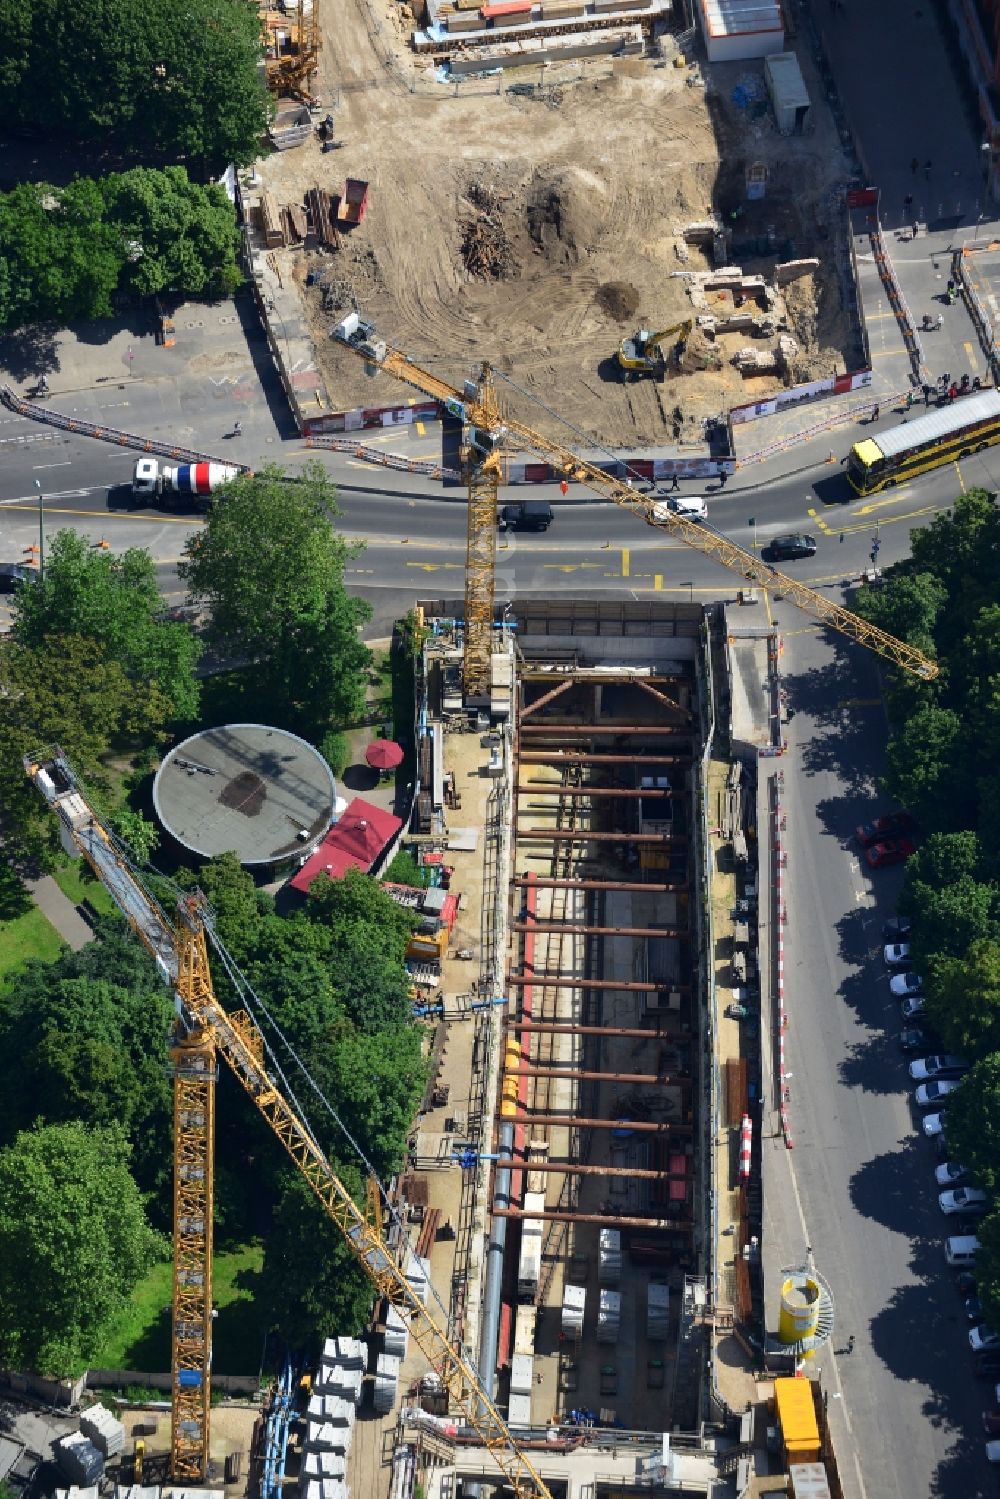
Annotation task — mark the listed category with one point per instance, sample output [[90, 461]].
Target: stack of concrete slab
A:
[[325, 1488], [101, 1427], [609, 1257], [320, 1465], [418, 1273], [386, 1383], [79, 1459], [573, 1307], [326, 1437], [657, 1311], [609, 1316], [397, 1334], [345, 1384], [91, 1492]]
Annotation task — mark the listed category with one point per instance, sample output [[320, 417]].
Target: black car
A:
[[788, 548], [530, 515], [912, 1038], [897, 929], [12, 573]]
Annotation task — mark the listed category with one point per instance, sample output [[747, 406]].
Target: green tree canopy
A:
[[114, 600], [988, 1266], [74, 1243], [923, 763], [270, 568], [974, 1122], [147, 76], [65, 691], [178, 236], [963, 998]]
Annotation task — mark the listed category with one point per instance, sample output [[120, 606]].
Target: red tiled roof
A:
[[355, 842]]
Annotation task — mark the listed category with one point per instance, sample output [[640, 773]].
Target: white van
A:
[[960, 1250], [691, 506]]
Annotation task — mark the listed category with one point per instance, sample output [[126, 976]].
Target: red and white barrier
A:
[[746, 1147]]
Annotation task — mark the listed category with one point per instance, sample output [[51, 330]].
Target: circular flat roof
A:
[[246, 789]]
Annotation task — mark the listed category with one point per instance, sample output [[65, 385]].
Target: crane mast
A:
[[181, 955], [486, 416]]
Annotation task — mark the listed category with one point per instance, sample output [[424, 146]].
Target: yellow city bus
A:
[[966, 425]]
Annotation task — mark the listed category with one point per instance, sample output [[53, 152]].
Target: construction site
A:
[[535, 214]]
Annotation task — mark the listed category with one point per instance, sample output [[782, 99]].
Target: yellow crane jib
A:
[[204, 1028], [478, 406]]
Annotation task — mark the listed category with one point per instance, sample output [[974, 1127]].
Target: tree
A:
[[67, 692], [74, 1243], [310, 1282], [270, 568], [988, 1266], [238, 905], [115, 600], [179, 236], [59, 259], [974, 1122], [946, 919], [923, 761], [963, 998], [376, 1083], [905, 604], [404, 870], [182, 83], [85, 1038]]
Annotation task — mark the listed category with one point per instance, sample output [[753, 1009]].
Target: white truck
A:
[[529, 1269], [152, 479]]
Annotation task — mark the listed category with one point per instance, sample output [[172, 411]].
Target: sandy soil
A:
[[596, 177]]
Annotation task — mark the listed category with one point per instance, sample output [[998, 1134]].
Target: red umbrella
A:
[[384, 754]]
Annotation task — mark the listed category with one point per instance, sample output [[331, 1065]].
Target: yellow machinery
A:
[[642, 354], [203, 1030], [490, 430], [291, 70]]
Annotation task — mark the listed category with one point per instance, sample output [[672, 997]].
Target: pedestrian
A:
[[874, 415], [237, 429], [914, 165], [723, 476], [850, 1343], [908, 203], [909, 399], [945, 380], [675, 482], [927, 395], [952, 392], [939, 324], [927, 170]]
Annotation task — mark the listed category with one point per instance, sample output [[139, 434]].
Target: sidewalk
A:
[[60, 911]]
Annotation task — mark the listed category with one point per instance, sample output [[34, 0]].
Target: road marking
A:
[[572, 567], [421, 428], [625, 562], [657, 582], [767, 605], [970, 354], [64, 464], [959, 473], [433, 567], [893, 499], [369, 467], [106, 515]]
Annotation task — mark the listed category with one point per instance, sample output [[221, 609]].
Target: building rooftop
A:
[[354, 843], [245, 788]]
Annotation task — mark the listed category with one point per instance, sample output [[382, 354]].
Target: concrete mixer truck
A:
[[176, 484]]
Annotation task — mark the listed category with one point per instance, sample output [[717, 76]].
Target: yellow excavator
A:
[[642, 354]]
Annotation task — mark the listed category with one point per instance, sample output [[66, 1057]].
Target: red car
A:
[[892, 825], [889, 851]]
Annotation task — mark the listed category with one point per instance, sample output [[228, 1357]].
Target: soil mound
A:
[[619, 299]]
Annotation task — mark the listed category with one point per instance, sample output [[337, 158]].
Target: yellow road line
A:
[[959, 473], [421, 429], [971, 356], [626, 562], [657, 582], [113, 515], [767, 605]]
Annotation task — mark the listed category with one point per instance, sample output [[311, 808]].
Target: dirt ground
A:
[[594, 175]]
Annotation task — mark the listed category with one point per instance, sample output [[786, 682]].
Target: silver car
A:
[[964, 1200], [931, 1095], [943, 1065]]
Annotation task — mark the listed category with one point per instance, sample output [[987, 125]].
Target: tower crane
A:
[[203, 1031], [491, 430]]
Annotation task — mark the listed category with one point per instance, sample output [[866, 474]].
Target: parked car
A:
[[933, 1126], [933, 1095], [964, 1200], [892, 825], [903, 984], [942, 1065], [993, 1452], [897, 929], [982, 1338], [912, 1007], [13, 573], [949, 1174], [973, 1308], [790, 548], [896, 954], [912, 1038], [987, 1365], [965, 1282], [889, 851], [991, 1426]]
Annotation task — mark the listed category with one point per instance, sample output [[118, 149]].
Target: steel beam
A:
[[582, 835], [609, 1220], [569, 927], [566, 981], [567, 1028], [574, 1074], [570, 757], [569, 1168], [524, 881], [573, 1121], [546, 697], [553, 789], [564, 727]]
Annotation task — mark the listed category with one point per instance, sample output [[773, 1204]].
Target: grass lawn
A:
[[25, 937], [78, 884], [141, 1341]]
